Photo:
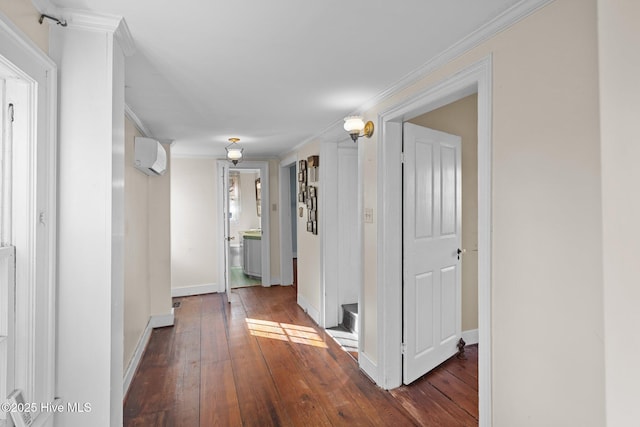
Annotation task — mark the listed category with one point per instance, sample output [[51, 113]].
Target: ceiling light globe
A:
[[234, 154], [353, 124]]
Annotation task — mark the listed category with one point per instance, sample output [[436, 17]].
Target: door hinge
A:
[[402, 157], [403, 348]]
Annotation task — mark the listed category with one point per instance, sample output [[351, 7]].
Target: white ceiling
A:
[[274, 73]]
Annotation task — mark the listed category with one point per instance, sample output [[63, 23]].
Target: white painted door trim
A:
[[263, 166], [36, 240], [286, 239], [475, 78]]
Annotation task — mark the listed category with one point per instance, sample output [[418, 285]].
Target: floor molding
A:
[[471, 336], [368, 367], [312, 312], [187, 291], [155, 321]]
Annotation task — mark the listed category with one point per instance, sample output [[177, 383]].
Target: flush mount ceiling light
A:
[[354, 125], [234, 152]]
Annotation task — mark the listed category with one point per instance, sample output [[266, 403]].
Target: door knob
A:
[[460, 252], [230, 238]]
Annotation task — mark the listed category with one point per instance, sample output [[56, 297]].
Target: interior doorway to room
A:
[[245, 229], [293, 210], [440, 235]]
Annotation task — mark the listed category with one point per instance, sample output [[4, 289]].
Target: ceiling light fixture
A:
[[354, 125], [234, 152]]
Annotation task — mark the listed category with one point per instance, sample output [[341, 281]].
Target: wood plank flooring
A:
[[261, 361]]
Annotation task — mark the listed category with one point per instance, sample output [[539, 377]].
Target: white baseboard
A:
[[368, 367], [155, 321], [312, 312], [162, 320], [186, 291], [470, 337]]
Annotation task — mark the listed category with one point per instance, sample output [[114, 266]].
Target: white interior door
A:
[[432, 219], [227, 229]]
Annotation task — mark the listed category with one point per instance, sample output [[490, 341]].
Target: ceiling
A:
[[274, 73]]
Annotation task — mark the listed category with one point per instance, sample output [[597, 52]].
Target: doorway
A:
[[387, 371], [288, 192], [430, 140], [245, 230], [258, 238]]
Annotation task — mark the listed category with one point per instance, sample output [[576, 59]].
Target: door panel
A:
[[432, 235]]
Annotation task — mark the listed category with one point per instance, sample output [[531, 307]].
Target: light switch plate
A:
[[368, 215]]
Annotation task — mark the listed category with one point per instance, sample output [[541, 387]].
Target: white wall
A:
[[619, 111]]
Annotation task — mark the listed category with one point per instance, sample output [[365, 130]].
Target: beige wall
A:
[[147, 286], [546, 241], [619, 113], [461, 118], [194, 222], [25, 16], [309, 287]]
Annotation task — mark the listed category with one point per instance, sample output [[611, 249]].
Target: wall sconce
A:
[[234, 152], [354, 125]]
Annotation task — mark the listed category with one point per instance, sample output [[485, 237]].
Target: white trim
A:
[[501, 22], [368, 367], [475, 78], [136, 358], [285, 220], [36, 299], [186, 291], [136, 121], [470, 337], [85, 20], [155, 321], [162, 320], [329, 238], [275, 280], [265, 218], [312, 312]]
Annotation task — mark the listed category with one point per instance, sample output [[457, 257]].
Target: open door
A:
[[225, 220], [432, 218]]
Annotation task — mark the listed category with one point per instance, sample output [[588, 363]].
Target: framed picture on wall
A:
[[312, 215], [310, 226], [312, 191], [302, 165], [301, 176], [315, 227], [301, 197]]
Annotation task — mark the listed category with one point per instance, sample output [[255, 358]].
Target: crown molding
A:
[[503, 21], [117, 25], [500, 23], [136, 121]]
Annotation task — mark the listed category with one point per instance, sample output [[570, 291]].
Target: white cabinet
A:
[[252, 256]]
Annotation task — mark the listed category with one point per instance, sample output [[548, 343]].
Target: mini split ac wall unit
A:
[[150, 156]]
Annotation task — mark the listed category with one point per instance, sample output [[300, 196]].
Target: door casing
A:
[[387, 370]]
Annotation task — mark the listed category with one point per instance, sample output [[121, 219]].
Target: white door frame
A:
[[34, 234], [474, 79], [263, 166], [286, 239]]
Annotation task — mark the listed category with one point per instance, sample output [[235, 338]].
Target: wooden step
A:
[[350, 317]]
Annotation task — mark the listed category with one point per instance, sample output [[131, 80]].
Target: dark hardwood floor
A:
[[261, 361]]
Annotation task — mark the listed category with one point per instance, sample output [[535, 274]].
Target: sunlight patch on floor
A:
[[285, 332]]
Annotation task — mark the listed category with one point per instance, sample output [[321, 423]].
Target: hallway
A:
[[261, 361]]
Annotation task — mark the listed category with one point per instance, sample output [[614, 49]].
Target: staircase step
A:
[[350, 317]]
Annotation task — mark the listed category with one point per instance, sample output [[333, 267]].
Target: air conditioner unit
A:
[[150, 156]]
